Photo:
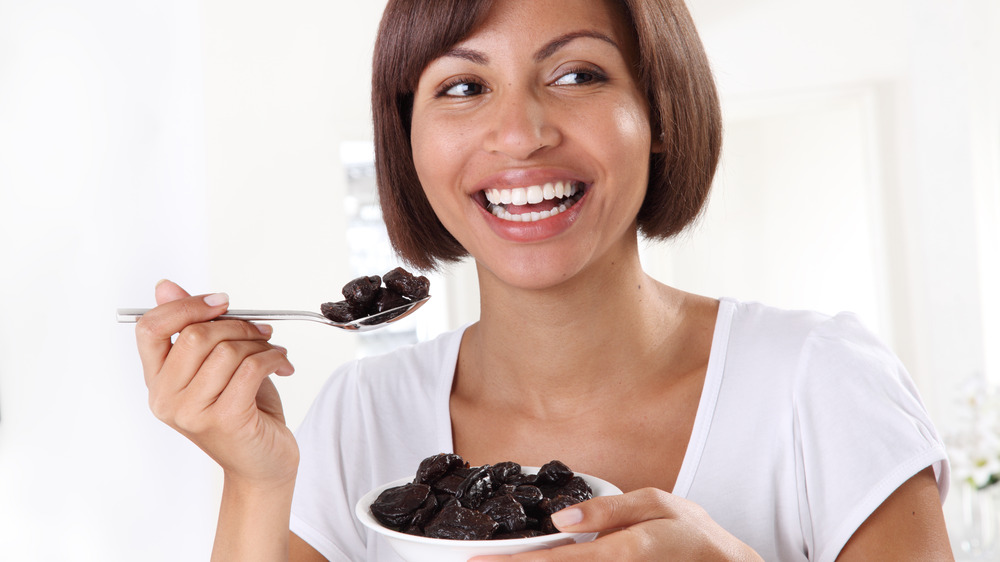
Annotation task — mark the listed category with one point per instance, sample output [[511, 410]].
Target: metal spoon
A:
[[368, 323]]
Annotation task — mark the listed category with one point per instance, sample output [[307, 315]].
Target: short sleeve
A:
[[861, 430]]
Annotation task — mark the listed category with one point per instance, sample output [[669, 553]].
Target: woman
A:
[[540, 137]]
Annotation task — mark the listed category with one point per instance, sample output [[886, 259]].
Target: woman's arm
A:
[[301, 551], [211, 384], [655, 525], [909, 525]]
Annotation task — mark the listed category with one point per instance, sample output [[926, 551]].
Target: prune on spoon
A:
[[365, 296], [339, 311], [407, 284], [360, 293], [386, 299]]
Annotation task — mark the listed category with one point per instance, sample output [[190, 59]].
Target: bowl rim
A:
[[363, 512]]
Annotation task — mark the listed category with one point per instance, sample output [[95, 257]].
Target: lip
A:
[[537, 231], [526, 232], [524, 177]]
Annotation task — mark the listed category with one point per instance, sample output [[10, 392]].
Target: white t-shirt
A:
[[806, 424]]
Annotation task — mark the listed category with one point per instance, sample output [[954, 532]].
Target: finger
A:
[[241, 392], [196, 343], [607, 513], [167, 291], [219, 368], [154, 330]]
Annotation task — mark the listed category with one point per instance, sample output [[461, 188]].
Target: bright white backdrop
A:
[[199, 140]]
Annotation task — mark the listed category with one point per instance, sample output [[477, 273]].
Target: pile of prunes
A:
[[366, 296], [448, 499]]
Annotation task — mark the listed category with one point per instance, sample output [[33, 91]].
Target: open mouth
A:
[[533, 203]]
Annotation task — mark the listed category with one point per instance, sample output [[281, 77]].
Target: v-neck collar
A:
[[702, 421]]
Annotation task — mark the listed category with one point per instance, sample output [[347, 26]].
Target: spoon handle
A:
[[132, 315]]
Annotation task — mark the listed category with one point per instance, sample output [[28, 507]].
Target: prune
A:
[[449, 483], [462, 523], [395, 507], [577, 488], [338, 311], [360, 293], [553, 473], [434, 467], [425, 512], [527, 495], [406, 284], [507, 512], [365, 296], [504, 471], [450, 499], [386, 299], [552, 505], [476, 488]]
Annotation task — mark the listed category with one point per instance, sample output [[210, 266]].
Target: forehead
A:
[[524, 22]]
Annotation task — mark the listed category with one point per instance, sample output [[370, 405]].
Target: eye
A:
[[578, 77], [461, 88]]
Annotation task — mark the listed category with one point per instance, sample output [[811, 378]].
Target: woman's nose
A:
[[520, 125]]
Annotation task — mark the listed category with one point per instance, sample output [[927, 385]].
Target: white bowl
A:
[[423, 549]]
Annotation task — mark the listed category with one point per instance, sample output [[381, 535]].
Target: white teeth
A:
[[534, 194], [560, 193], [519, 196]]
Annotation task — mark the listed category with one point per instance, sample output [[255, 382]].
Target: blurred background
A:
[[227, 145]]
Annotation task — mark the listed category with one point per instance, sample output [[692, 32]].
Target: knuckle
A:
[[254, 364], [227, 351], [162, 408], [194, 336], [190, 420], [147, 327]]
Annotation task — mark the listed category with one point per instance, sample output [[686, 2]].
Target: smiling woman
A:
[[748, 432]]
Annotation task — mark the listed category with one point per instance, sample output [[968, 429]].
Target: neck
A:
[[550, 352]]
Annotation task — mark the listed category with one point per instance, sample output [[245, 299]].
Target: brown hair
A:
[[672, 68]]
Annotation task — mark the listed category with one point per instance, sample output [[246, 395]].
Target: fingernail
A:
[[281, 349], [217, 299], [160, 282], [567, 517], [264, 329]]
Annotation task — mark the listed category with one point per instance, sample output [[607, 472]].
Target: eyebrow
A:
[[549, 49]]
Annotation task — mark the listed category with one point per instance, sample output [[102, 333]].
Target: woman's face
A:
[[531, 139]]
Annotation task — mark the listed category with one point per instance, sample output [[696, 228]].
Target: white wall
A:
[[102, 192], [895, 107], [199, 140]]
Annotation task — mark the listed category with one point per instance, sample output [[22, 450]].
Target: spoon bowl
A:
[[365, 324]]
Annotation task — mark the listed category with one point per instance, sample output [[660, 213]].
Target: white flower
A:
[[974, 442]]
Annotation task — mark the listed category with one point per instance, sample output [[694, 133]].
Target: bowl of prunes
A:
[[453, 511]]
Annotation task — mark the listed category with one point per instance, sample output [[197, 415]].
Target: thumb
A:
[[605, 513], [168, 291]]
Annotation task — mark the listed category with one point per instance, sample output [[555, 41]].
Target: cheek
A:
[[435, 148]]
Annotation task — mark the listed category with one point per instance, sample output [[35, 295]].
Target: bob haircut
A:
[[672, 69]]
